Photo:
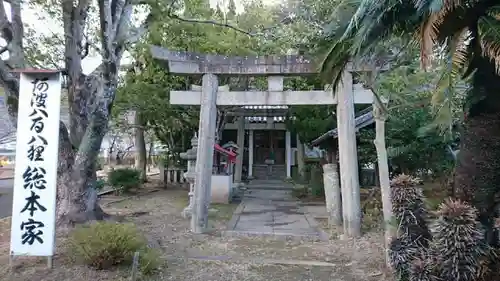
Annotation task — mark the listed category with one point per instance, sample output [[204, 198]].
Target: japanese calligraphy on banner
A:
[[34, 202]]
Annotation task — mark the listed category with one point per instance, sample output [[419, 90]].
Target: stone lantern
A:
[[190, 175]]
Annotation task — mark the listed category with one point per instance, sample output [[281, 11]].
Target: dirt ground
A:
[[211, 256]]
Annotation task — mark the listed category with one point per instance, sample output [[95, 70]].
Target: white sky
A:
[[90, 63]]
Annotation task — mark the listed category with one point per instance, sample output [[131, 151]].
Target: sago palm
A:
[[469, 33]]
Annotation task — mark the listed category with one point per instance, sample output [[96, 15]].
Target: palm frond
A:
[[334, 64], [373, 22], [427, 38], [489, 31], [398, 150], [443, 96]]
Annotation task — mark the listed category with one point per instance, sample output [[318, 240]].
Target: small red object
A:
[[230, 154]]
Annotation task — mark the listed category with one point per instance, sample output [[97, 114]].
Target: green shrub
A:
[[316, 182], [123, 180], [102, 245], [99, 185]]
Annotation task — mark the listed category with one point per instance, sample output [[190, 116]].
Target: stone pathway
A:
[[273, 213]]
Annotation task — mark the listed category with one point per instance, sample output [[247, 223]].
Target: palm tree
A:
[[468, 31]]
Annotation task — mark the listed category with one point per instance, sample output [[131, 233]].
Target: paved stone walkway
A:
[[273, 213]]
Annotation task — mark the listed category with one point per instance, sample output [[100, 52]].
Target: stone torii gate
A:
[[275, 67]]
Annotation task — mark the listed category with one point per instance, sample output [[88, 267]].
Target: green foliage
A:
[[100, 184], [413, 143], [103, 245], [147, 86], [316, 183], [309, 122], [123, 180]]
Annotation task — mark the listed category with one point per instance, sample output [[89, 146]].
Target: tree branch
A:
[[7, 137], [224, 24]]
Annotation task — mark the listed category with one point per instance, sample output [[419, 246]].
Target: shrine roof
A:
[[363, 119]]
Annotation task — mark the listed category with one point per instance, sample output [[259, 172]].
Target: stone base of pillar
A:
[[328, 185], [238, 184], [222, 189], [186, 213], [162, 173]]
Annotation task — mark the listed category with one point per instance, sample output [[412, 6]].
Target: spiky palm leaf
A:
[[449, 23]]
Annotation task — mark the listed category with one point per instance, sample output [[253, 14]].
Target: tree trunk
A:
[[77, 200], [140, 146], [90, 97], [477, 173], [383, 174], [150, 154]]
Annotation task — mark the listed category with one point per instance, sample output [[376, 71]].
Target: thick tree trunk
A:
[[140, 146], [477, 175], [90, 97], [77, 200]]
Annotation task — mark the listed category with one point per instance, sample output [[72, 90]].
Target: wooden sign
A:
[[34, 201]]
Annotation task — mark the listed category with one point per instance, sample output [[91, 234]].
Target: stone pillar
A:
[[204, 157], [328, 186], [300, 157], [348, 156], [332, 192], [161, 167], [288, 147], [190, 156], [241, 149], [250, 154]]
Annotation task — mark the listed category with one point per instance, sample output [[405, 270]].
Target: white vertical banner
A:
[[34, 201]]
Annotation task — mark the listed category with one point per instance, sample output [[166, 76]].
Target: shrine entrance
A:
[[275, 68], [269, 146]]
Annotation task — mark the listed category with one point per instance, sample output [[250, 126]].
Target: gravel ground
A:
[[211, 256]]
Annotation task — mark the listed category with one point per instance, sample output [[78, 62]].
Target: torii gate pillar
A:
[[204, 157], [185, 63], [348, 157]]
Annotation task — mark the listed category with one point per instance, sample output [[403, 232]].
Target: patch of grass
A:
[[127, 203], [300, 191], [222, 212], [181, 202], [102, 245], [372, 219]]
